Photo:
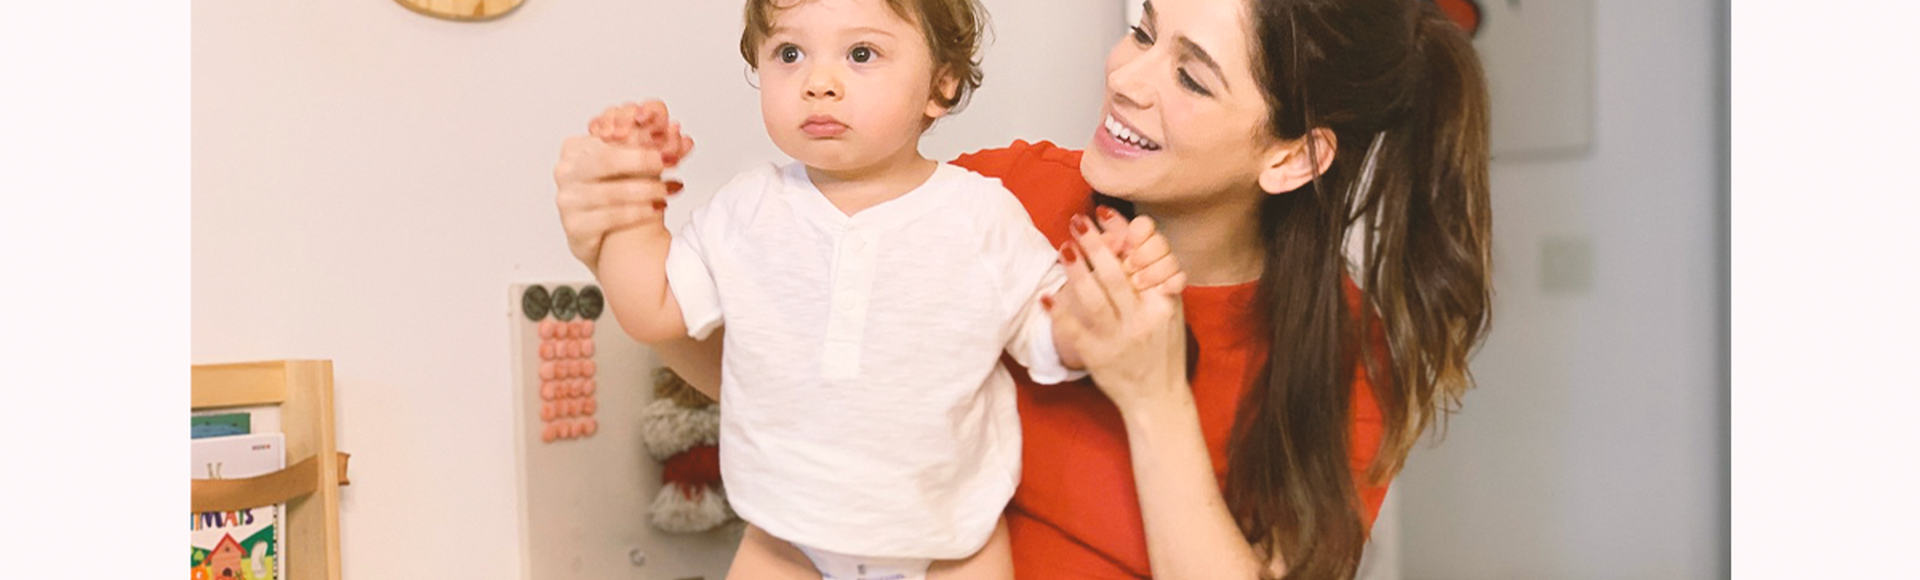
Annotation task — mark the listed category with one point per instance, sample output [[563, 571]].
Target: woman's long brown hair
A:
[[1402, 91]]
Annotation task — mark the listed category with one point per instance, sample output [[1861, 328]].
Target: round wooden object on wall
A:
[[462, 9]]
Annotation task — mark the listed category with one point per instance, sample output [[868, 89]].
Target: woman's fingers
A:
[[1082, 296], [1107, 271], [1069, 326], [1113, 229], [586, 159], [600, 162]]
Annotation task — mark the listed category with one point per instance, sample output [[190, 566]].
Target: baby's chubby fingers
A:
[[1151, 262]]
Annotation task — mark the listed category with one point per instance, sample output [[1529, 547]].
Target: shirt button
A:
[[856, 243]]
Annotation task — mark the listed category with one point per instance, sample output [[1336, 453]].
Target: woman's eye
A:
[[788, 53], [860, 54], [1140, 35], [1186, 80]]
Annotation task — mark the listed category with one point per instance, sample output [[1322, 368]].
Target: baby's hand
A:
[[645, 126]]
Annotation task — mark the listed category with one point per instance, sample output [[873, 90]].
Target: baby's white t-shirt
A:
[[864, 408]]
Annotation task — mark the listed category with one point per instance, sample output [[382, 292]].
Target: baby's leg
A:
[[993, 562], [764, 557]]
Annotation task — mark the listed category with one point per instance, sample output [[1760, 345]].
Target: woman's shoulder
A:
[[1043, 176], [1021, 157]]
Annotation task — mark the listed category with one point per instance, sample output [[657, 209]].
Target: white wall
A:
[[1590, 448], [367, 182]]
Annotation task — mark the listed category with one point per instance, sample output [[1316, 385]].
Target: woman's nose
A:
[[1126, 79]]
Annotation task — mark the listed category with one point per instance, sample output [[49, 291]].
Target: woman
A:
[[1257, 134]]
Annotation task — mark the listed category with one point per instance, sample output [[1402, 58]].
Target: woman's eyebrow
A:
[[1189, 50]]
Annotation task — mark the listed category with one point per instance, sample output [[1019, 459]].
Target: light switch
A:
[[1566, 265]]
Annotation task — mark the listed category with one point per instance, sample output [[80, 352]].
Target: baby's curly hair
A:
[[953, 29]]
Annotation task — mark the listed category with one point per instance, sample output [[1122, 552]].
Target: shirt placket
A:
[[847, 321]]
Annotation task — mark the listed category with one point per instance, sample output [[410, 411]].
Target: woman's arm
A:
[[1134, 346], [1190, 532]]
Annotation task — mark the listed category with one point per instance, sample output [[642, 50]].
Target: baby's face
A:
[[845, 85]]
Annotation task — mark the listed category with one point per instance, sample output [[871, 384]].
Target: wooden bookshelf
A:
[[310, 486]]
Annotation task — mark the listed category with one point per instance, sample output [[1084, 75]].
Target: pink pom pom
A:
[[586, 348], [589, 406], [589, 426], [587, 387], [586, 329], [586, 368], [548, 371], [548, 328], [550, 433], [547, 390]]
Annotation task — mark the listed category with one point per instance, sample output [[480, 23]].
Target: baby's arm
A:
[[632, 268]]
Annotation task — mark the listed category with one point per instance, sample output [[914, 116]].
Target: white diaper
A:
[[837, 566]]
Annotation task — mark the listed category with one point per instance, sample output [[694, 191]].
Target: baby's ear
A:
[[945, 86]]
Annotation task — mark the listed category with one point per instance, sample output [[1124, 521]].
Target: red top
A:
[[1076, 513]]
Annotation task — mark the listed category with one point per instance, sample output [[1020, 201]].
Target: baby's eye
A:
[[860, 54], [787, 53]]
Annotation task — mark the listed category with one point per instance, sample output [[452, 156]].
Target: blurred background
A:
[[368, 181]]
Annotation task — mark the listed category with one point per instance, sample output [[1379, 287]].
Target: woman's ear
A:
[[1292, 164], [945, 86]]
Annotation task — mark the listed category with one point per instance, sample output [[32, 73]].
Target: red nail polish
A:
[[1106, 213], [1046, 302], [1069, 254], [1079, 224], [660, 206]]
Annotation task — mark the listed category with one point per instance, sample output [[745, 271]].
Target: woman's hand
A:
[[1146, 257], [1132, 341], [611, 179]]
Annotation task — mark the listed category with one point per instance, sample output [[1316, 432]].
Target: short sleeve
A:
[[691, 281], [1027, 268], [691, 258]]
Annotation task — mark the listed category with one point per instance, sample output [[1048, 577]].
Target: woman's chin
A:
[[1111, 178]]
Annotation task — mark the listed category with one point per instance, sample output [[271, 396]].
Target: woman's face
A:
[[1183, 121]]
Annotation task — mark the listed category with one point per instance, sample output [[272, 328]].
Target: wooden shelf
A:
[[303, 389]]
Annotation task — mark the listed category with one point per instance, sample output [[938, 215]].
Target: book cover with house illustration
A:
[[241, 544]]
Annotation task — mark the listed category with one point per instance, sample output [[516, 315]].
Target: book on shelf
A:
[[243, 544]]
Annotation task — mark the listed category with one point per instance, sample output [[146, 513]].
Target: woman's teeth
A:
[[1126, 135]]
